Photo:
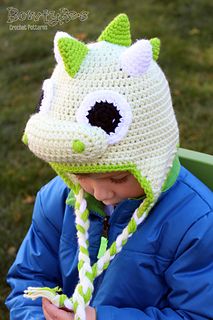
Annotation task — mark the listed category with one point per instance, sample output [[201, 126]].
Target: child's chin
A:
[[110, 203]]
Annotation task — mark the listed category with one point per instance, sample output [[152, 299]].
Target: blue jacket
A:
[[165, 271]]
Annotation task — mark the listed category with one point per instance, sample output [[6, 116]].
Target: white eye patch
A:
[[47, 95], [108, 110]]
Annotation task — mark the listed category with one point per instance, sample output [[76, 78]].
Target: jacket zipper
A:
[[105, 230]]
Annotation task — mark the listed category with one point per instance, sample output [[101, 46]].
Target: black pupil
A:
[[39, 102], [104, 115]]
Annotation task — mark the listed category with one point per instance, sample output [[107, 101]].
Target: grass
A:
[[26, 60]]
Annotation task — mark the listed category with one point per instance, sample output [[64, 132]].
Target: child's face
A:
[[111, 188]]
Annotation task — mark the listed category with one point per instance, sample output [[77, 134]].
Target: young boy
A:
[[106, 125]]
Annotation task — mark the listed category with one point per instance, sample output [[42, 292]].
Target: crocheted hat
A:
[[107, 107]]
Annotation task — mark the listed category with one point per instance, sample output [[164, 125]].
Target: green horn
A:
[[73, 53], [117, 31], [155, 42]]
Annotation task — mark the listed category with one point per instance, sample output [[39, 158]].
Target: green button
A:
[[78, 146]]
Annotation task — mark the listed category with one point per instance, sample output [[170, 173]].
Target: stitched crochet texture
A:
[[74, 136]]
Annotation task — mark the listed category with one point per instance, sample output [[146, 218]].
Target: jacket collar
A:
[[124, 210]]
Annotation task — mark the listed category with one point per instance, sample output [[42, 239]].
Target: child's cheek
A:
[[86, 186]]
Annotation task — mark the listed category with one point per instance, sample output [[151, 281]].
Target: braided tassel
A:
[[84, 289], [59, 300], [138, 217]]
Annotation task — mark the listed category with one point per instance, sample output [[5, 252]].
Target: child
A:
[[106, 125]]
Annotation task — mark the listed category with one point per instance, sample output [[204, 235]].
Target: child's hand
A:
[[51, 312]]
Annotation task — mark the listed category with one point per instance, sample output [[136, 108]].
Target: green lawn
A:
[[26, 60]]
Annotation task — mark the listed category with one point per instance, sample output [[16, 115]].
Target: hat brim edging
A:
[[64, 170]]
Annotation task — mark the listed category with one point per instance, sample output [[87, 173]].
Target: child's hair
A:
[[107, 107]]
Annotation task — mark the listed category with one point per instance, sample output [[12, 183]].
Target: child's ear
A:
[[69, 51]]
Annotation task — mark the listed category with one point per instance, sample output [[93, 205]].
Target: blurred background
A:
[[26, 59]]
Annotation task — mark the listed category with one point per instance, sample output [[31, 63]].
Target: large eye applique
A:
[[45, 97], [104, 115], [107, 110]]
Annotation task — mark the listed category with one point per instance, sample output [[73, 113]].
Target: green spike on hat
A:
[[117, 31], [73, 53], [155, 42]]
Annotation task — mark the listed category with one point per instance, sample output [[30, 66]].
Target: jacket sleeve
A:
[[189, 279], [36, 265]]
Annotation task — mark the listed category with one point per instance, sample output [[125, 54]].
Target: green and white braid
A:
[[84, 289]]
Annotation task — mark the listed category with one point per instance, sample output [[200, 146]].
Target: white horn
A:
[[136, 59]]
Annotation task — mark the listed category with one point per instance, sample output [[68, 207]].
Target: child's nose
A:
[[101, 192]]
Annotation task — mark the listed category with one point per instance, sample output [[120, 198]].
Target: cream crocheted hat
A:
[[107, 107]]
